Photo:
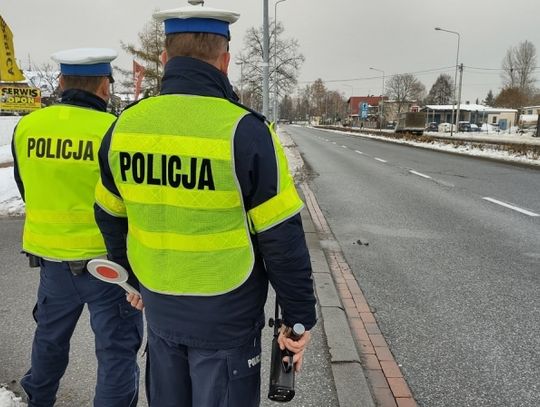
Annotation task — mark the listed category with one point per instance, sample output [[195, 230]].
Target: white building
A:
[[473, 113]]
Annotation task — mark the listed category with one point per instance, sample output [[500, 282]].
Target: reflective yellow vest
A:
[[57, 155], [188, 233]]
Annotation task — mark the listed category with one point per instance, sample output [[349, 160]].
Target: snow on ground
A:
[[486, 151], [7, 124], [293, 156], [8, 399], [5, 154], [11, 203]]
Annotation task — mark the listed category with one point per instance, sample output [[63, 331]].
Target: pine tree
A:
[[147, 53], [442, 90], [490, 99]]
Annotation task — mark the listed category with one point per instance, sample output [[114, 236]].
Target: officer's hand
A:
[[135, 301], [297, 347]]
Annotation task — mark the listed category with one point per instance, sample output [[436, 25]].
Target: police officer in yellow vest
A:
[[56, 169], [201, 187]]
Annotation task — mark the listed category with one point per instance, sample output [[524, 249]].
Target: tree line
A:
[[518, 69]]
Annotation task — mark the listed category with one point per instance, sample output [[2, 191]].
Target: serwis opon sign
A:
[[19, 98]]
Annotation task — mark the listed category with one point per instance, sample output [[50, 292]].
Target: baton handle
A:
[[129, 288]]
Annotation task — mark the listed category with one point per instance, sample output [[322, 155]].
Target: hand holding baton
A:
[[111, 272], [282, 370]]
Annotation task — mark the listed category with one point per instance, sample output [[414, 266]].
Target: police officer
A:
[[56, 169], [200, 185]]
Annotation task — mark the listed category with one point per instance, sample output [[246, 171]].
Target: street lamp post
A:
[[241, 63], [265, 59], [381, 103], [455, 82], [276, 94]]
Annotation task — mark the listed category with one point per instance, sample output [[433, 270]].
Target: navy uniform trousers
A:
[[117, 327], [186, 376]]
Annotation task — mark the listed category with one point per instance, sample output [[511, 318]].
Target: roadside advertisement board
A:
[[19, 98]]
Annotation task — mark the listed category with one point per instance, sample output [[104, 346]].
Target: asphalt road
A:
[[18, 285], [453, 278]]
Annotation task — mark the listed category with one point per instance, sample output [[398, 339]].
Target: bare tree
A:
[[509, 75], [285, 63], [286, 108], [303, 105], [147, 53], [318, 97], [405, 88], [45, 77], [511, 98], [442, 90], [518, 67]]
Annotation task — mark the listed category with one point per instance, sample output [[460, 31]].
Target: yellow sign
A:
[[9, 71], [19, 98]]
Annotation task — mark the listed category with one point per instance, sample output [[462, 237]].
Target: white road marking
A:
[[359, 152], [379, 159], [515, 208], [420, 174], [344, 146], [333, 142]]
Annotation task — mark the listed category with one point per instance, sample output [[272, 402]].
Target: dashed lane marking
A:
[[359, 152], [513, 207], [420, 174], [344, 146], [379, 159]]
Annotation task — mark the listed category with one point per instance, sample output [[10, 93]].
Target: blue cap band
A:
[[197, 25], [103, 69]]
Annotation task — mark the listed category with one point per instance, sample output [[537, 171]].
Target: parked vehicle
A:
[[411, 122], [464, 126], [432, 126], [445, 127], [475, 128]]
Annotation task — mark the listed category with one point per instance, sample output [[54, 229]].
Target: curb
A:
[[363, 367], [351, 385]]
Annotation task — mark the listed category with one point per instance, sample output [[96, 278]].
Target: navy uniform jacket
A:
[[230, 319], [75, 97]]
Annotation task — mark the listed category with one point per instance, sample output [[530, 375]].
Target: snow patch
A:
[[8, 399], [7, 124], [11, 203]]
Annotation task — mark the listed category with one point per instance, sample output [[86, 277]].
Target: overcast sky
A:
[[340, 39]]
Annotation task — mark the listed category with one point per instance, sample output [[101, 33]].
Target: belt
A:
[[77, 267]]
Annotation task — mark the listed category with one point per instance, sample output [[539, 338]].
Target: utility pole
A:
[[455, 75], [459, 94], [266, 71], [537, 124], [241, 63], [276, 76]]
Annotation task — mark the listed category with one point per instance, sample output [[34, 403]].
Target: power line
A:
[[495, 69], [370, 78]]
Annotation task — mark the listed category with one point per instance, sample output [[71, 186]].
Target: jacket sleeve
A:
[[267, 184], [109, 209], [16, 172]]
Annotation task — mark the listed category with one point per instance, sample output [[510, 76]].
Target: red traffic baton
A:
[[111, 272]]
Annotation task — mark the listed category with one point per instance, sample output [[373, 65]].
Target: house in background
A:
[[370, 117], [473, 113], [528, 117]]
